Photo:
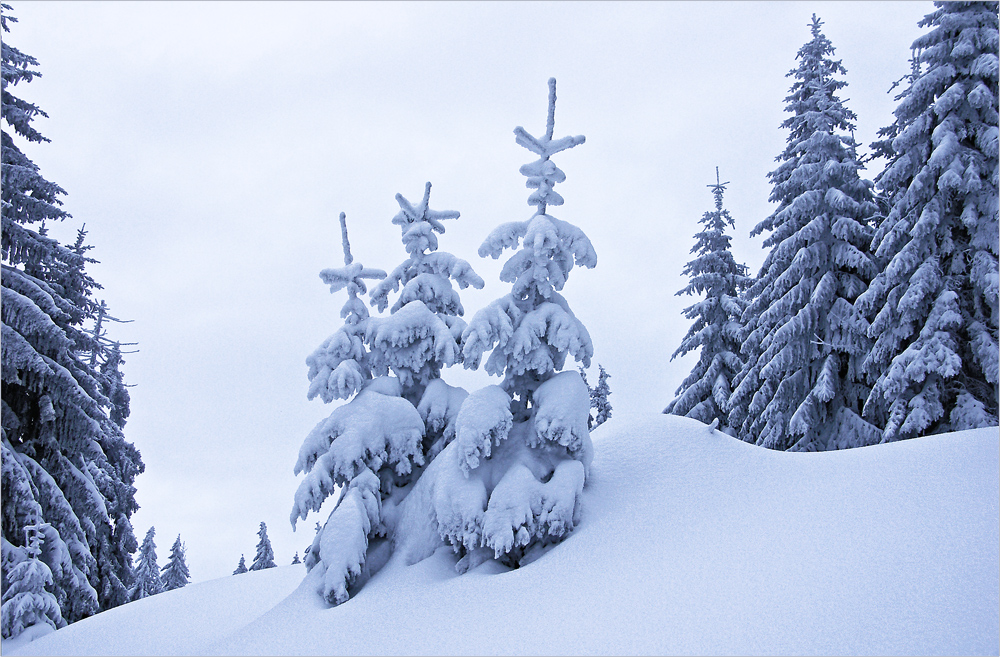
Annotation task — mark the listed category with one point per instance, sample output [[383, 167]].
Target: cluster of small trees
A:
[[874, 317], [149, 578], [264, 557], [28, 600], [419, 463], [67, 470]]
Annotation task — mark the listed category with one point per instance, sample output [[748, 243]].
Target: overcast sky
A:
[[209, 148]]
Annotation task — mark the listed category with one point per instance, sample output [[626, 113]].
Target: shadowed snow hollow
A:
[[690, 542]]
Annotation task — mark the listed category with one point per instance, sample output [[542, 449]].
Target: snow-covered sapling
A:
[[600, 406], [531, 330], [241, 567], [26, 600], [423, 332], [340, 366], [371, 444]]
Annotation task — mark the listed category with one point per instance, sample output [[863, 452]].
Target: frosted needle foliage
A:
[[801, 387]]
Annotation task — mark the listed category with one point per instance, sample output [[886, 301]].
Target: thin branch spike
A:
[[427, 198], [550, 123], [347, 245], [717, 189]]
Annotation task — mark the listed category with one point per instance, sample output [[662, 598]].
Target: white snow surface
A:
[[690, 542]]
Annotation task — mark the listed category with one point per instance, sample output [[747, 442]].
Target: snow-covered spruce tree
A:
[[801, 387], [147, 571], [513, 477], [373, 438], [175, 574], [27, 601], [265, 555], [296, 559], [714, 273], [241, 567], [65, 460], [599, 398], [933, 308]]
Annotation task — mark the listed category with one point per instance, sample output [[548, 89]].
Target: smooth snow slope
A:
[[691, 542]]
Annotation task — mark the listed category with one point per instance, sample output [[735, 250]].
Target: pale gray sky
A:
[[209, 147]]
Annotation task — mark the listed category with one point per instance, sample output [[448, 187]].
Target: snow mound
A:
[[690, 542], [178, 622]]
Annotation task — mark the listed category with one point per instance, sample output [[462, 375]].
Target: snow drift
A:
[[690, 542]]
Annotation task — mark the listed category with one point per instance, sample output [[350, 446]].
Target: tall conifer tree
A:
[[704, 394], [802, 387], [934, 307], [66, 463]]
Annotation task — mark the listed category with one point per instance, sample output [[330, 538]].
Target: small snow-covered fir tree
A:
[[147, 572], [66, 464], [241, 567], [376, 437], [265, 555], [513, 477], [599, 404], [26, 599], [934, 307], [296, 559], [714, 273], [175, 574], [801, 387]]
